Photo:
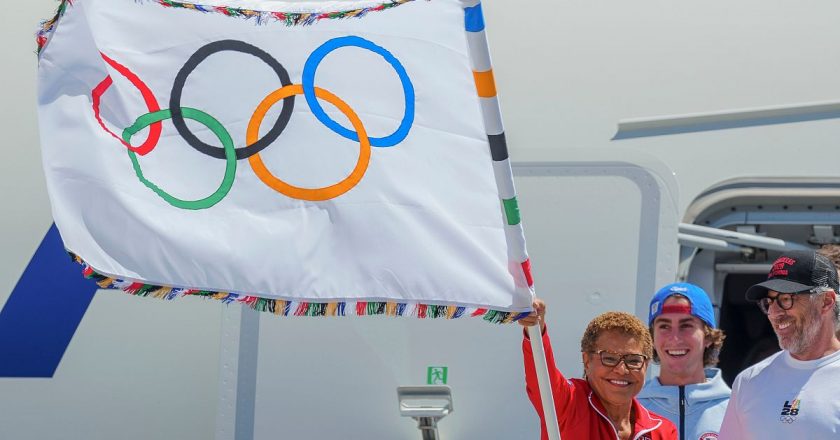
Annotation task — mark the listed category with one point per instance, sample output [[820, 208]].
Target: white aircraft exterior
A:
[[624, 121]]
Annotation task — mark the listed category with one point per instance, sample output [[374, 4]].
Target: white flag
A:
[[322, 158]]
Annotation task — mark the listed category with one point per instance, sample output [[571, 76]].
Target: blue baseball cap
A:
[[701, 306]]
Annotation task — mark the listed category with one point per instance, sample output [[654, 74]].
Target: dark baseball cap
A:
[[797, 272]]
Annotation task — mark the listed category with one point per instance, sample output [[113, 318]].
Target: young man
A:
[[792, 394], [686, 342]]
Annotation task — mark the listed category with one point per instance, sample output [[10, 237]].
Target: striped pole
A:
[[514, 234]]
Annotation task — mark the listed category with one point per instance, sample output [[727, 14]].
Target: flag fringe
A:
[[47, 27], [286, 18], [282, 307]]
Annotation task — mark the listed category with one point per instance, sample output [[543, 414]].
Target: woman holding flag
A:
[[616, 349]]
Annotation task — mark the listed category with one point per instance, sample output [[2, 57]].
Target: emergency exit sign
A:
[[436, 375]]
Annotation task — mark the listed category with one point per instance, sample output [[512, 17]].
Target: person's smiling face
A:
[[615, 385], [679, 339], [796, 327]]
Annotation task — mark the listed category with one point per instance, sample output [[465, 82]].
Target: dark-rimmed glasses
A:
[[783, 300], [631, 360]]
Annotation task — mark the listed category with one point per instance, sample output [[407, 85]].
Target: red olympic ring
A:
[[148, 97]]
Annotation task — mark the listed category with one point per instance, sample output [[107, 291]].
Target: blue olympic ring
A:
[[308, 83]]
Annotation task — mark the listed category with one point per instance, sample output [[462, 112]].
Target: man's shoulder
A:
[[756, 369], [715, 388]]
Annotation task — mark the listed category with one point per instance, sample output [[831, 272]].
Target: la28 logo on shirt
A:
[[789, 411]]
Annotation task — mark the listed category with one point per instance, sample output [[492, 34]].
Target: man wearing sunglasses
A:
[[794, 393], [688, 390]]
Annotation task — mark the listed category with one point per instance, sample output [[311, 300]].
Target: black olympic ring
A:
[[199, 56], [787, 419]]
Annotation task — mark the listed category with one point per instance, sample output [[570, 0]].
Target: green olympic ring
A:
[[208, 121]]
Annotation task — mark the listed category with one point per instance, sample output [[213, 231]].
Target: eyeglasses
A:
[[631, 360], [783, 300]]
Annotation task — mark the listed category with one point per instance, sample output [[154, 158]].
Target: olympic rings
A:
[[208, 121], [200, 55], [253, 143], [149, 98], [308, 81], [311, 194]]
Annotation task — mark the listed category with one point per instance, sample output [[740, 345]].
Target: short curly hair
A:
[[620, 322]]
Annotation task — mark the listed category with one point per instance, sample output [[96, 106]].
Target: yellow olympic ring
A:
[[311, 194]]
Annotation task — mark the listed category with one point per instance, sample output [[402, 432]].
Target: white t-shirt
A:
[[784, 398]]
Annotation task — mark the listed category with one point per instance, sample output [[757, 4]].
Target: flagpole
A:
[[541, 366], [482, 68]]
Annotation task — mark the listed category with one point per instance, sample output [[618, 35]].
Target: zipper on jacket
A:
[[607, 419], [682, 412], [615, 431]]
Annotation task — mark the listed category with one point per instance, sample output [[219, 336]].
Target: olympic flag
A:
[[322, 158]]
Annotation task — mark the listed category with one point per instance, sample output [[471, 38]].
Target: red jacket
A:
[[579, 411]]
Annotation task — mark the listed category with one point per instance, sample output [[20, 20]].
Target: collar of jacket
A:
[[714, 388], [645, 422]]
